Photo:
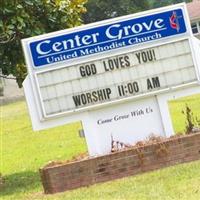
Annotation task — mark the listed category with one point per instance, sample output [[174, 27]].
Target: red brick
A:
[[121, 164]]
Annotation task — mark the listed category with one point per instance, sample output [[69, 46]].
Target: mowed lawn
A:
[[23, 152]]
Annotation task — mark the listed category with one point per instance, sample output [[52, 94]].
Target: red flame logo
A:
[[174, 22]]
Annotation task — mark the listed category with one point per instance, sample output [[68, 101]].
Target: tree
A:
[[104, 9], [25, 18], [161, 3]]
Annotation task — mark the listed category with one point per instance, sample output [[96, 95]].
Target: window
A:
[[194, 28]]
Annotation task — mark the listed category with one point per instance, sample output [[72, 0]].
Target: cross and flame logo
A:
[[174, 21]]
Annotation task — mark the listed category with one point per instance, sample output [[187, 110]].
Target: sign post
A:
[[116, 76]]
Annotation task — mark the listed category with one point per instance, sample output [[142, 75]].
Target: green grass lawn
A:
[[23, 152], [177, 106]]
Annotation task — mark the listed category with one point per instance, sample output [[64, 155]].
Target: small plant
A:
[[162, 150], [154, 138], [192, 124], [1, 181], [140, 155], [198, 122]]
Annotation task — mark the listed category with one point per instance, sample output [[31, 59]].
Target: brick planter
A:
[[121, 164]]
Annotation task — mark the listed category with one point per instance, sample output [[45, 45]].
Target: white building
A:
[[9, 90], [194, 13]]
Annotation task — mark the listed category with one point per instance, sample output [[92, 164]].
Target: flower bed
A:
[[143, 157]]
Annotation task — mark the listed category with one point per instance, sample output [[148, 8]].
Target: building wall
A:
[[10, 92], [194, 14], [195, 24]]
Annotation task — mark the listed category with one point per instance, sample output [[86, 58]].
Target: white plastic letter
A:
[[39, 50], [111, 36], [159, 23]]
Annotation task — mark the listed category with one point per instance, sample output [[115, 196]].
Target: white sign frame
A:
[[95, 145]]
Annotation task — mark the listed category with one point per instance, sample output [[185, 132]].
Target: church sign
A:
[[115, 76]]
